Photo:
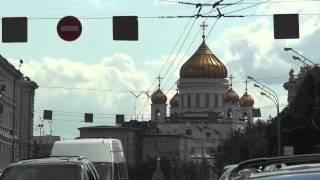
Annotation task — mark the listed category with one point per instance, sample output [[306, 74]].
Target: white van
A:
[[106, 154]]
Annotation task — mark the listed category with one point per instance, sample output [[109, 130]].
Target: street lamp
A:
[[297, 58], [269, 93]]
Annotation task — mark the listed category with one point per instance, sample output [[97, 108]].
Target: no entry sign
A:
[[69, 28]]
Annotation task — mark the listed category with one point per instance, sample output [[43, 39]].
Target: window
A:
[[197, 100], [245, 115], [189, 101], [229, 114], [157, 115], [216, 100], [207, 100], [182, 100]]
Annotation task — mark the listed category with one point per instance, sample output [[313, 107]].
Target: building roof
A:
[[10, 67], [158, 97], [203, 64]]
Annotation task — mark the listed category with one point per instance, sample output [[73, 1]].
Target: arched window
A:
[[189, 101], [245, 115], [216, 100], [207, 100], [229, 114], [197, 100], [157, 115], [182, 100]]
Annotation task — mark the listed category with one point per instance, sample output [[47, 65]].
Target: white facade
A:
[[16, 119], [203, 111]]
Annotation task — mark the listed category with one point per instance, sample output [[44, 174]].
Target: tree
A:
[[242, 146], [300, 121]]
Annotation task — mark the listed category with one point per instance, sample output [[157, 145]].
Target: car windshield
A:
[[121, 169], [47, 172], [104, 170]]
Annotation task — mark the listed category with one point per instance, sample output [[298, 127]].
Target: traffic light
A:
[[14, 29], [47, 115], [286, 26], [88, 117], [125, 28]]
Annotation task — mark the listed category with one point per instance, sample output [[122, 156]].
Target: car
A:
[[267, 166], [303, 172], [52, 168]]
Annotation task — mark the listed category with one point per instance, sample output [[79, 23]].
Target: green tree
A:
[[242, 146], [300, 121]]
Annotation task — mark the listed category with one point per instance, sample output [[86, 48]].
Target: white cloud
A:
[[116, 72]]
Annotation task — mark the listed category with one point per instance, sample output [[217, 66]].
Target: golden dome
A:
[[246, 100], [203, 64], [174, 102], [231, 96], [158, 97]]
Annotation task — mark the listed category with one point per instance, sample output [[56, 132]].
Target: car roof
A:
[[296, 159], [52, 160], [285, 172], [266, 161]]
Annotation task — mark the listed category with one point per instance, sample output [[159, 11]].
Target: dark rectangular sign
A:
[[125, 28], [286, 26], [14, 29]]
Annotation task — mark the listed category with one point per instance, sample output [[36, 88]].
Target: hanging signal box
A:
[[47, 115], [286, 26], [14, 29], [125, 28], [88, 117]]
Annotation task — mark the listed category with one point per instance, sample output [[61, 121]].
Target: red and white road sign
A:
[[69, 28]]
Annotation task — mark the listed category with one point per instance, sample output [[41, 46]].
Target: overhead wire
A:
[[145, 104], [179, 64], [248, 7], [171, 52]]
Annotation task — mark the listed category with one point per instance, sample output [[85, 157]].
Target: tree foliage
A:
[[242, 146], [300, 121]]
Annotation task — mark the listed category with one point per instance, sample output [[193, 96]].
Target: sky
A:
[[95, 74]]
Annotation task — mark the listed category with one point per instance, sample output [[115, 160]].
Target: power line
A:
[[171, 52], [254, 2], [180, 61], [37, 110], [248, 7], [144, 106]]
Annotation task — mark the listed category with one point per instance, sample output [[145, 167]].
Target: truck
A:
[[105, 153]]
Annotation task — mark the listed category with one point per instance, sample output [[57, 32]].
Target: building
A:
[[42, 145], [16, 113], [205, 108], [294, 82], [172, 147]]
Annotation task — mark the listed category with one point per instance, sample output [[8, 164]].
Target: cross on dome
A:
[[159, 79], [246, 82], [231, 77], [203, 26]]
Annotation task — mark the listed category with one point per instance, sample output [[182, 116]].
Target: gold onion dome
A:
[[246, 100], [158, 97], [174, 102], [203, 64], [231, 96]]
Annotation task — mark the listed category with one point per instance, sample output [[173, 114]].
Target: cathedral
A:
[[205, 106]]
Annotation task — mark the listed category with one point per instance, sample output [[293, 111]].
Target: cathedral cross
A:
[[177, 83], [246, 84], [159, 79], [231, 77], [203, 26]]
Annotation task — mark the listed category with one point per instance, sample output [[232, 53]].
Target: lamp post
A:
[[299, 59], [269, 93]]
